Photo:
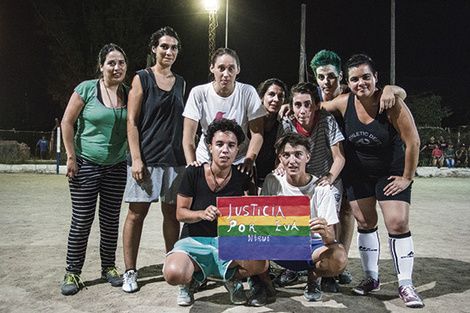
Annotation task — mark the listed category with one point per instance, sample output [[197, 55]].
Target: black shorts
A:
[[365, 188]]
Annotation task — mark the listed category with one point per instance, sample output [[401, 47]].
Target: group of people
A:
[[249, 145], [442, 152]]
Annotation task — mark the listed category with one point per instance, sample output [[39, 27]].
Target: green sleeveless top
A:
[[101, 135]]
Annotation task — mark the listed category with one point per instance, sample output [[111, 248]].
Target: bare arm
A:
[[189, 144], [389, 93], [336, 167], [134, 105], [337, 106], [256, 129], [74, 107], [184, 213], [404, 123]]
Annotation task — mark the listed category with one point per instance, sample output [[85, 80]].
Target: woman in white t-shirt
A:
[[223, 98]]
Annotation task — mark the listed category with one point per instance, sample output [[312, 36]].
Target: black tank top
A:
[[376, 149], [161, 122]]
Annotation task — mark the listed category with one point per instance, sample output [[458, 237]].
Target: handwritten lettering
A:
[[255, 210]]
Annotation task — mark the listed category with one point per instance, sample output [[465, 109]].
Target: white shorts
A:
[[161, 182], [338, 193]]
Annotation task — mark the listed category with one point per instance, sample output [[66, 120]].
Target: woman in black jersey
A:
[[379, 168], [155, 164]]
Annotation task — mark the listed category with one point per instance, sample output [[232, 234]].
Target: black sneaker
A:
[[111, 275], [287, 277], [345, 277], [258, 295], [312, 291], [72, 284], [329, 284], [236, 291]]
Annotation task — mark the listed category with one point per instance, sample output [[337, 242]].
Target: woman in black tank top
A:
[[379, 168]]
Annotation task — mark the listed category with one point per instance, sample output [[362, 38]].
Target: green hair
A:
[[325, 57]]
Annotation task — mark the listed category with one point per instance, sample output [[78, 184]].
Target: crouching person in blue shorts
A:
[[195, 255], [328, 257]]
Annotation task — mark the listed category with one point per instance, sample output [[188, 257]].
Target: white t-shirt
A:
[[204, 105], [322, 201]]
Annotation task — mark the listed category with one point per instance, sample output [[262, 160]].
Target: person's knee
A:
[[366, 225], [398, 226], [175, 275], [137, 215], [339, 260]]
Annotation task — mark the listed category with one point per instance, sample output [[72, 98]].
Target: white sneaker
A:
[[129, 283], [186, 295]]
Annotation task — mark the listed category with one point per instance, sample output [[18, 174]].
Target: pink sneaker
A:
[[367, 285], [410, 297]]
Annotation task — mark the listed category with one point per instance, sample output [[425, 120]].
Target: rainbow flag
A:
[[264, 228]]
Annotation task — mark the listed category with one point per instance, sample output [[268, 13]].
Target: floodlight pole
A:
[[392, 43], [226, 24], [303, 57], [212, 7]]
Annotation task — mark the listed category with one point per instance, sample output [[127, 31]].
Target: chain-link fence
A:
[[22, 146]]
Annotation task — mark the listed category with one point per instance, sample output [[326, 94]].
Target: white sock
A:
[[401, 247], [369, 251]]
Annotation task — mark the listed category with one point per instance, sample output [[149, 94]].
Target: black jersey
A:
[[161, 122], [372, 150], [194, 185]]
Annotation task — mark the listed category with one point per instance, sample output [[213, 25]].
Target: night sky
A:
[[432, 47]]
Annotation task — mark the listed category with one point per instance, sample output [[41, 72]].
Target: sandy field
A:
[[35, 213]]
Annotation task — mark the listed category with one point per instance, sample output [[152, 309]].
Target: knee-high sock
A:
[[401, 247], [369, 251]]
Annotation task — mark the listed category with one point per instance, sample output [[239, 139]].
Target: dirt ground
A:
[[35, 215]]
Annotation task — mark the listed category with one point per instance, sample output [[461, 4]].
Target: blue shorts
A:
[[160, 182], [302, 265], [205, 252]]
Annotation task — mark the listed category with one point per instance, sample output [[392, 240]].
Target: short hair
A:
[[107, 48], [307, 88], [222, 51], [323, 58], [263, 87], [294, 139], [224, 125], [164, 31], [358, 60]]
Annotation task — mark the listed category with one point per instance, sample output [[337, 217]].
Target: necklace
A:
[[217, 185], [107, 93]]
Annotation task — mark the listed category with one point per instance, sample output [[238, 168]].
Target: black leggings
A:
[[109, 182]]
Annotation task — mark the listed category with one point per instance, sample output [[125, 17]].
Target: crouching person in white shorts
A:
[[195, 255]]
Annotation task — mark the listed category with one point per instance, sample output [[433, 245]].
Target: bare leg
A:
[[365, 213], [247, 268], [179, 269], [396, 215], [132, 232], [345, 227], [171, 226]]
